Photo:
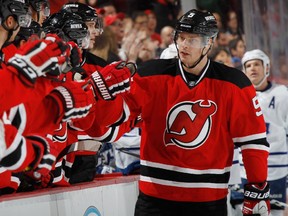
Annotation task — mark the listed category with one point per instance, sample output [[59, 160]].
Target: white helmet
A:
[[257, 54]]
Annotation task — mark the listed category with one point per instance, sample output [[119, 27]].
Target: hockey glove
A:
[[73, 101], [39, 170], [34, 180], [39, 57], [75, 57], [256, 199], [112, 80], [75, 54], [46, 153]]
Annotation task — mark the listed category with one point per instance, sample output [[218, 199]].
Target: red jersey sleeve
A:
[[249, 132]]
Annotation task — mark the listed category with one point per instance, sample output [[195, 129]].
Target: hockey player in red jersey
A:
[[91, 64], [33, 60], [25, 136], [59, 106], [40, 10], [33, 123], [49, 56], [94, 23], [12, 15], [194, 111]]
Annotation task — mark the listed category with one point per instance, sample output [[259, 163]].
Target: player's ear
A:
[[10, 22], [209, 44], [22, 42]]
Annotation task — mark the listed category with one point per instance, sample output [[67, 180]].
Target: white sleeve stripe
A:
[[14, 145], [18, 114], [15, 180], [250, 137], [84, 137], [126, 111], [255, 147], [2, 170]]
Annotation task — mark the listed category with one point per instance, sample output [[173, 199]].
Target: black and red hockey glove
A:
[[38, 181], [45, 152], [74, 59], [112, 80], [75, 54], [73, 102], [45, 157], [34, 59], [256, 199]]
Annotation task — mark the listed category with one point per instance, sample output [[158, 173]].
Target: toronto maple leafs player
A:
[[273, 100]]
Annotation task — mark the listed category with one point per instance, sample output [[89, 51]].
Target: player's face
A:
[[254, 70], [93, 32], [190, 47], [43, 12]]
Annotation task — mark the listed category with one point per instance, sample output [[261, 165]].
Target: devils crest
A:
[[189, 123]]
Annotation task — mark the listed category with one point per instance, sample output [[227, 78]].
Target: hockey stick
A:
[[278, 203], [126, 151]]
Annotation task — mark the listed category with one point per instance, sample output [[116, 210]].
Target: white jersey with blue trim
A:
[[235, 177], [274, 104], [127, 151]]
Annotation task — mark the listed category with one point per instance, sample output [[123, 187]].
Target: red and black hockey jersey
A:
[[189, 131], [93, 63]]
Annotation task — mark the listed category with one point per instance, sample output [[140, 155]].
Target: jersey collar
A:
[[193, 83]]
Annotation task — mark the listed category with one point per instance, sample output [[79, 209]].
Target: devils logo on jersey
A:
[[189, 123]]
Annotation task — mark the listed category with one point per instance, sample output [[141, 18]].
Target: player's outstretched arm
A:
[[71, 101], [25, 153], [37, 58], [32, 60], [112, 80]]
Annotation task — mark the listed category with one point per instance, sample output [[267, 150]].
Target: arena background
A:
[[264, 22]]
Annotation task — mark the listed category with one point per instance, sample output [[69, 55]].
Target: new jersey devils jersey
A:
[[93, 63], [190, 127], [274, 104]]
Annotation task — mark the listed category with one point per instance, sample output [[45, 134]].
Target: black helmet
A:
[[86, 12], [26, 32], [75, 29], [68, 26], [16, 8], [53, 24], [40, 5], [197, 22]]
